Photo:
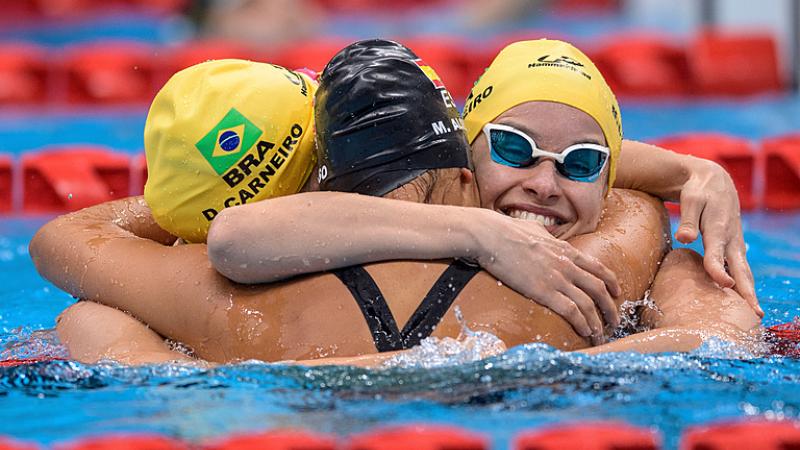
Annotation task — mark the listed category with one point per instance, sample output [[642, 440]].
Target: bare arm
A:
[[93, 254], [310, 232], [709, 204], [93, 333], [691, 309]]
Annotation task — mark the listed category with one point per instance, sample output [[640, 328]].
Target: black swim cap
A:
[[383, 118]]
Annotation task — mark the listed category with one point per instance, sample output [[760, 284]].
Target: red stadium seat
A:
[[371, 6], [6, 183], [138, 174], [418, 437], [18, 11], [734, 64], [782, 172], [274, 440], [160, 6], [110, 73], [736, 155], [584, 7], [125, 442], [643, 65], [70, 178], [449, 58], [313, 54], [23, 74], [756, 435], [195, 52], [589, 436]]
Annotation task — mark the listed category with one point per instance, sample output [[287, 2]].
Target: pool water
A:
[[524, 388]]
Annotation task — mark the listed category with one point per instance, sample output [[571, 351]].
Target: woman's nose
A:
[[541, 181]]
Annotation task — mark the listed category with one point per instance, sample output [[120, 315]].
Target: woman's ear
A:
[[467, 176]]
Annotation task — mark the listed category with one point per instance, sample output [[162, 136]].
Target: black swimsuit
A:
[[385, 333]]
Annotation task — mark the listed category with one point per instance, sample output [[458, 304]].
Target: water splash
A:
[[469, 346]]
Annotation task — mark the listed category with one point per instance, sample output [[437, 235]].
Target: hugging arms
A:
[[529, 193]]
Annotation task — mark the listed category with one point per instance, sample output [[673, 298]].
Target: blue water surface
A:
[[526, 387]]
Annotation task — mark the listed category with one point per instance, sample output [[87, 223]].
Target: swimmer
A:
[[708, 203], [234, 295]]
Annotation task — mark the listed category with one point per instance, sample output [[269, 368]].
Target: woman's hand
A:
[[527, 258], [710, 205]]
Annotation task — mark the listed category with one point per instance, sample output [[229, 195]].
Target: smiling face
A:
[[566, 208]]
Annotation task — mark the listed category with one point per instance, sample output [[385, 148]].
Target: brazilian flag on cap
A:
[[227, 142]]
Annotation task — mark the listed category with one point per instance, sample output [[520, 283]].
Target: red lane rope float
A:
[[62, 179], [782, 172], [734, 63], [274, 440], [589, 436], [643, 65], [785, 339], [9, 444], [16, 362], [418, 437], [6, 183], [125, 442], [734, 154], [756, 435]]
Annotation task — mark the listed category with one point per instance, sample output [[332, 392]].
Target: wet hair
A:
[[383, 118]]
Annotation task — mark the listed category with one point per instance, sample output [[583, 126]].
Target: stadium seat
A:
[[643, 65], [59, 179], [449, 58], [734, 64], [138, 174], [24, 74], [163, 7], [195, 52], [6, 183], [110, 73], [312, 54], [735, 154], [782, 172]]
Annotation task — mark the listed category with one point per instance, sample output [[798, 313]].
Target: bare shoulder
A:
[[624, 199]]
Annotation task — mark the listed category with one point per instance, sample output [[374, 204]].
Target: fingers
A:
[[588, 310], [691, 209], [569, 311], [599, 270], [714, 261], [599, 298], [742, 275]]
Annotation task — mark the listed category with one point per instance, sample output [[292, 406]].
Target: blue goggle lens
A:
[[513, 150]]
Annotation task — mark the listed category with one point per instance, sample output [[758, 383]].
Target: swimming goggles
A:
[[513, 148]]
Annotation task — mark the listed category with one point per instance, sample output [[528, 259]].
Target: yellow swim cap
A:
[[225, 133], [544, 70]]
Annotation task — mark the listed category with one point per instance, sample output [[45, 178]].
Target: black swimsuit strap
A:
[[429, 313], [380, 320], [435, 305]]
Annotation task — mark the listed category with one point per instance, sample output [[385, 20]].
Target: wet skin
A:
[[540, 189]]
